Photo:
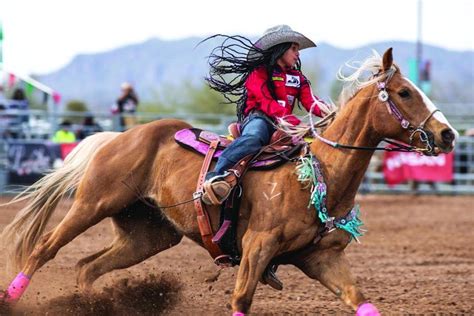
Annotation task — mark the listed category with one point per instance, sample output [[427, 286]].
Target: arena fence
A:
[[37, 126], [463, 175]]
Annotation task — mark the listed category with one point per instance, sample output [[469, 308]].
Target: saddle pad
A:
[[189, 138], [198, 141]]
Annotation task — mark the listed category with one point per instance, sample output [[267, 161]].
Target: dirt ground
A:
[[416, 258]]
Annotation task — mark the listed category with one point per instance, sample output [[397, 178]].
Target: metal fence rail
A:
[[463, 175], [40, 126]]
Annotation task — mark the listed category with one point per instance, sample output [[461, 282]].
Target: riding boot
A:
[[256, 132], [218, 187]]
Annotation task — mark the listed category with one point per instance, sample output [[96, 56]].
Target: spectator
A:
[[126, 106], [89, 127], [19, 95], [12, 119], [64, 134], [20, 102]]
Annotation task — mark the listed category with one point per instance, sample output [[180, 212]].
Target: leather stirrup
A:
[[269, 277], [210, 196]]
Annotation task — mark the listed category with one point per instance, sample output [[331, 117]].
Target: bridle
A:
[[425, 137]]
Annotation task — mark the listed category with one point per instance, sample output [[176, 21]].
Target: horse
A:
[[128, 176]]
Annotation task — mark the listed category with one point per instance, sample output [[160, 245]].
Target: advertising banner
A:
[[399, 167]]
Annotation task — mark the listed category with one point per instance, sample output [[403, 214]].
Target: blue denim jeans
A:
[[256, 133]]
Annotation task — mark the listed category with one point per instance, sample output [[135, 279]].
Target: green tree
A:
[[312, 72], [76, 106], [203, 99]]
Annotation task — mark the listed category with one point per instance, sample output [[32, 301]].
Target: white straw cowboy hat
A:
[[282, 34]]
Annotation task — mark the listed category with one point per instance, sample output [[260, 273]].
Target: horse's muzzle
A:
[[448, 137]]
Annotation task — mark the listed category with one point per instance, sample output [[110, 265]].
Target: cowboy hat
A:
[[282, 34]]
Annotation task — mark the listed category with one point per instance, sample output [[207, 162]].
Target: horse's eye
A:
[[404, 94]]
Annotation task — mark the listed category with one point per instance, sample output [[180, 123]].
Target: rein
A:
[[425, 137], [398, 146]]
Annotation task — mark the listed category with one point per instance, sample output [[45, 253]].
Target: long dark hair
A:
[[232, 62]]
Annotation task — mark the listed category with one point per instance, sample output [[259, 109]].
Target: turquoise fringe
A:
[[306, 173], [353, 226], [304, 170]]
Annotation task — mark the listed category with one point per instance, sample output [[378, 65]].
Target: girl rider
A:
[[267, 79]]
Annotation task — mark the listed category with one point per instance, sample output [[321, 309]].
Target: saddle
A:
[[222, 245], [281, 149]]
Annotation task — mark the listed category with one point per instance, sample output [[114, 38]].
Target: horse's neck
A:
[[343, 168]]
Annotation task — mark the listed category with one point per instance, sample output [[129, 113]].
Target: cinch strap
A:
[[203, 220]]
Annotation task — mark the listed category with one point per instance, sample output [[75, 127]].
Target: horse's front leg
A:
[[258, 248], [331, 268]]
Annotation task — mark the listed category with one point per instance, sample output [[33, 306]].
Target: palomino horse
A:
[[275, 225]]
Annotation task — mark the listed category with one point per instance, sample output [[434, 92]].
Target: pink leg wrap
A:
[[367, 309], [238, 314], [17, 288]]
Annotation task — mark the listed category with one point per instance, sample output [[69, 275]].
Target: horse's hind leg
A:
[[141, 232], [88, 209], [76, 221], [90, 258], [331, 268]]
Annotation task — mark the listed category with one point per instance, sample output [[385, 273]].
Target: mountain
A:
[[156, 65]]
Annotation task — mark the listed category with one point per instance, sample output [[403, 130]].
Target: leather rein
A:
[[425, 136]]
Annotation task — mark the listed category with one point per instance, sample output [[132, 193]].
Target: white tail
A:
[[21, 235]]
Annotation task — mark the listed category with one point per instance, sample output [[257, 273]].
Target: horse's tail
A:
[[21, 235]]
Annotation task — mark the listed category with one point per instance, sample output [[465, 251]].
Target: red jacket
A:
[[289, 85]]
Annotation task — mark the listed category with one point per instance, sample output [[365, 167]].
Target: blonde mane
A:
[[364, 74]]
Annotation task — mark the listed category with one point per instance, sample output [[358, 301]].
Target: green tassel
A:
[[307, 174], [353, 226], [304, 170]]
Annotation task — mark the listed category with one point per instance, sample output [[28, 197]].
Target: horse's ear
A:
[[387, 59]]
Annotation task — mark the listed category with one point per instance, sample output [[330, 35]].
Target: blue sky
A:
[[42, 36]]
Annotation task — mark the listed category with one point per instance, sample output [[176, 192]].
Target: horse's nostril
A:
[[448, 136]]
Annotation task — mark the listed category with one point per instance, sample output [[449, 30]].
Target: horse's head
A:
[[403, 112]]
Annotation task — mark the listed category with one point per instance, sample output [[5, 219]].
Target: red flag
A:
[[11, 80], [56, 97]]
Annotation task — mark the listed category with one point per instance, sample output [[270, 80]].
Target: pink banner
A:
[[400, 167]]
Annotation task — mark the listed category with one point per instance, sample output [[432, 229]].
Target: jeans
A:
[[256, 133]]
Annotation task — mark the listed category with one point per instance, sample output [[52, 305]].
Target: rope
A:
[[140, 196]]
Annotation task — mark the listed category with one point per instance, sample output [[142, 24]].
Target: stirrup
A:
[[223, 261], [269, 277], [215, 192]]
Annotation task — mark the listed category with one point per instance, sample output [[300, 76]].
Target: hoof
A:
[[5, 307], [16, 288], [367, 309]]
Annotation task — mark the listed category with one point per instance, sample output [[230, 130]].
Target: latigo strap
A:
[[203, 220]]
